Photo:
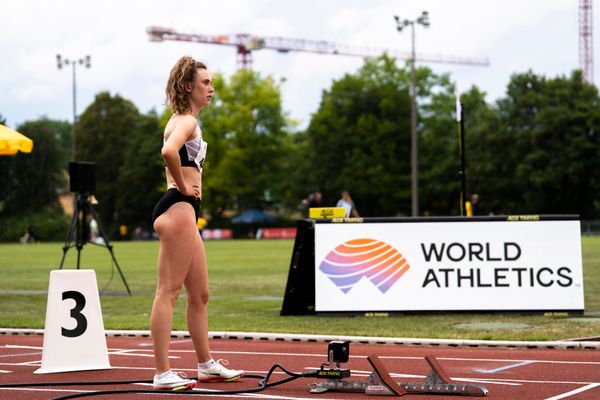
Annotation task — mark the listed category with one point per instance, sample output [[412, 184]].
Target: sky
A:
[[514, 35]]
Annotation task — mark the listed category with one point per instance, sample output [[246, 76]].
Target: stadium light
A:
[[423, 19], [86, 62]]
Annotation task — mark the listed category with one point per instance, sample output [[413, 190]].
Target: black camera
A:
[[338, 351], [82, 177]]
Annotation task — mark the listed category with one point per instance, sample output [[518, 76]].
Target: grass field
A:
[[247, 282]]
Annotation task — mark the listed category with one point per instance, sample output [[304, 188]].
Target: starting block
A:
[[380, 383]]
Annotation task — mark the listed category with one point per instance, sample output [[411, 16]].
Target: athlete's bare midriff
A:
[[191, 176]]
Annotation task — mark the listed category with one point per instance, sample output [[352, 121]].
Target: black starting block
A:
[[380, 383]]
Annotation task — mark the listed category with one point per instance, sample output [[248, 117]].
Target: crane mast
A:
[[586, 49]]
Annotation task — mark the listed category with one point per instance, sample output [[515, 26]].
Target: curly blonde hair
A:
[[183, 73]]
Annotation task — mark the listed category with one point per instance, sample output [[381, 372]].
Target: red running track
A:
[[530, 374]]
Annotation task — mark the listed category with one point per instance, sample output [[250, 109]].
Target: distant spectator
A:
[[347, 204], [201, 223], [123, 231], [472, 205], [93, 230], [314, 200], [138, 233], [33, 235], [30, 235]]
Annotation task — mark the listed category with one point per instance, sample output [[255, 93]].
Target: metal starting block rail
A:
[[380, 383]]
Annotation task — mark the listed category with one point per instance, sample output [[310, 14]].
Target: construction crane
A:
[[586, 49], [246, 44]]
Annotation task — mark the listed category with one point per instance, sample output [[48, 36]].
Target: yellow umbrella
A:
[[12, 141]]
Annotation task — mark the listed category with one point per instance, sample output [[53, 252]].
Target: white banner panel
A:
[[457, 265]]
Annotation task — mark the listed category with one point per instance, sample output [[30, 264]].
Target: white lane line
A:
[[576, 391], [34, 363], [486, 381], [18, 346], [404, 357], [259, 395], [37, 353], [538, 381], [323, 355], [493, 371], [46, 390], [133, 353], [150, 344]]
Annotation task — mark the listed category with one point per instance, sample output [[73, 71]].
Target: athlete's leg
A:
[[196, 284], [176, 229]]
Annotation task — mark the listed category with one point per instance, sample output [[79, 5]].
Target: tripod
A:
[[78, 232]]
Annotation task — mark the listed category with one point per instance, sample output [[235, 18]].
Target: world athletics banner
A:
[[435, 264]]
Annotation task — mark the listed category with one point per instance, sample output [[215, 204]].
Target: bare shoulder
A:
[[181, 126], [187, 120]]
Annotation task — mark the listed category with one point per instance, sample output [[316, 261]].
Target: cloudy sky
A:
[[515, 35]]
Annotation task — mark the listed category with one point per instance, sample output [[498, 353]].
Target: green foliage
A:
[[438, 148], [30, 182], [141, 175], [50, 225], [540, 151], [536, 150], [359, 139], [125, 146], [245, 128]]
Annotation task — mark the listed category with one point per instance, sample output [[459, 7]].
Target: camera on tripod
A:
[[82, 177], [82, 182]]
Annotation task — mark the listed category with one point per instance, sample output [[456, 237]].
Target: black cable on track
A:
[[263, 383]]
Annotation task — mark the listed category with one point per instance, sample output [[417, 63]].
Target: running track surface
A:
[[530, 374]]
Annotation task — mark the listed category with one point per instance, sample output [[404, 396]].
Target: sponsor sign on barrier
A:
[[217, 234], [455, 265], [277, 233]]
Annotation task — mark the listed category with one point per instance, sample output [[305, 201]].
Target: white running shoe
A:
[[173, 381], [219, 373]]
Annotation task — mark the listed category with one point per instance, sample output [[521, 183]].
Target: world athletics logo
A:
[[376, 260]]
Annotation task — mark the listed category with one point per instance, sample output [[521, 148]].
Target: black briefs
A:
[[171, 197]]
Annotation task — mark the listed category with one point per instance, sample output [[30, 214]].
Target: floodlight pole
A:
[[87, 62], [423, 19]]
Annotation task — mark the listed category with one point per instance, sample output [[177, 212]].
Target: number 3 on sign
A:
[[76, 314]]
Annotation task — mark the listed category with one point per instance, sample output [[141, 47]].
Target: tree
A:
[[30, 182], [439, 151], [141, 179], [540, 153], [247, 134], [104, 136], [359, 139]]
